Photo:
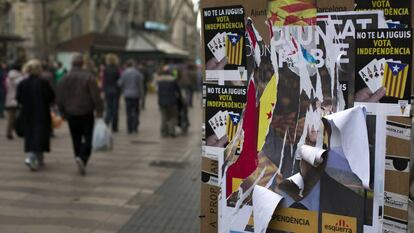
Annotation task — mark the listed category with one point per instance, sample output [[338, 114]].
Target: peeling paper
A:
[[264, 205], [298, 180], [349, 130], [312, 155]]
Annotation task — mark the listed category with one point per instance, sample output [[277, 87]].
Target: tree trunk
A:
[[92, 15]]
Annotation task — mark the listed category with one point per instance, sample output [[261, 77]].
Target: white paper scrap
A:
[[264, 204], [298, 180], [349, 128], [312, 155]]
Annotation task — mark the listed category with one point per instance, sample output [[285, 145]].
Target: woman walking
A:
[[14, 77], [35, 96], [112, 91]]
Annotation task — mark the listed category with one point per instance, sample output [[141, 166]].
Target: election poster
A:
[[338, 35], [383, 70], [396, 12], [224, 106], [224, 44]]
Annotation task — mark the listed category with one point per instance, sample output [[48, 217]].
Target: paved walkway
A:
[[175, 206], [118, 184]]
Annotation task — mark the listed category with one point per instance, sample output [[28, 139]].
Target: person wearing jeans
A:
[[132, 110], [132, 86], [111, 76], [78, 100]]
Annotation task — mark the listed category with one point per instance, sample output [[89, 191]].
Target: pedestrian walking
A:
[[132, 86], [60, 71], [78, 100], [14, 77], [146, 73], [168, 97], [187, 81], [35, 97], [3, 76], [112, 91]]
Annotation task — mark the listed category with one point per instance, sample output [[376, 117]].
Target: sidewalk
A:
[[174, 208], [118, 184]]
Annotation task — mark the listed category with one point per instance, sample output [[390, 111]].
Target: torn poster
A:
[[264, 205], [349, 130], [312, 155]]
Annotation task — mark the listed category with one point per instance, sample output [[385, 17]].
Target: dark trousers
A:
[[112, 108], [144, 96], [132, 112], [169, 117], [11, 117], [81, 130], [2, 101], [189, 92]]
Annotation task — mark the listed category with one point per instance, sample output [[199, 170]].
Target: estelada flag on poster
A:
[[383, 67], [397, 12]]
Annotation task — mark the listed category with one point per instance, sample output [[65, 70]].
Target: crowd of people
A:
[[33, 94]]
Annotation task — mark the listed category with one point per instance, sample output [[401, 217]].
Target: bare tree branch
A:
[[110, 16], [67, 14], [176, 12]]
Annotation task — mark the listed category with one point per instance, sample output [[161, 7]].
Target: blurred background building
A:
[[49, 28]]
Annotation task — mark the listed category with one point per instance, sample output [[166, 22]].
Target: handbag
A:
[[19, 123], [57, 120]]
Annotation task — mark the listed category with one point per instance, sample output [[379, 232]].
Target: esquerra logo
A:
[[340, 226]]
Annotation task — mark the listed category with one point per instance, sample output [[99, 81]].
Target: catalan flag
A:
[[232, 122], [395, 79], [234, 49], [291, 12]]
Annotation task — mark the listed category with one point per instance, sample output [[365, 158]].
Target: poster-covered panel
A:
[[383, 70], [302, 61]]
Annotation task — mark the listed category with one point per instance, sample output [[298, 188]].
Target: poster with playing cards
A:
[[223, 106], [383, 71], [224, 44]]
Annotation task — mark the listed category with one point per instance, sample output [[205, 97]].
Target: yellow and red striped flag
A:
[[234, 49], [291, 12], [395, 79], [267, 104]]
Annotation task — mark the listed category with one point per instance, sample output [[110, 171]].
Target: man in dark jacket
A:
[[78, 99], [168, 96]]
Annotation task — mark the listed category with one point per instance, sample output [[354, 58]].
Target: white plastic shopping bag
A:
[[102, 137]]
